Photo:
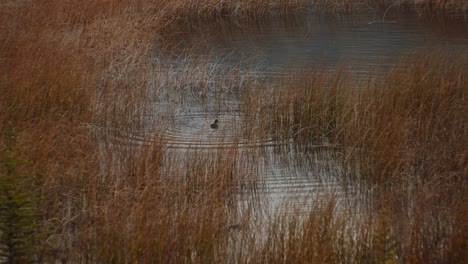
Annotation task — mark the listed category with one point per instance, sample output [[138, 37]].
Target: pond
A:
[[279, 45], [249, 51]]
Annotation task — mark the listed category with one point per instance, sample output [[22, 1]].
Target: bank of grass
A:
[[308, 107], [407, 145], [161, 209], [74, 73], [419, 108], [402, 137]]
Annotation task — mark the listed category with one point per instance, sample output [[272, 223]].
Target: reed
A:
[[408, 137], [399, 137], [418, 107], [76, 76], [321, 236], [168, 207]]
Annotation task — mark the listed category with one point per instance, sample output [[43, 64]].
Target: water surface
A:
[[364, 43], [269, 49]]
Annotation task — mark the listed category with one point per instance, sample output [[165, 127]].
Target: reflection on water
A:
[[362, 43], [271, 48]]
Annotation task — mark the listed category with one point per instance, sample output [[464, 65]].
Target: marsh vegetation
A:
[[107, 154]]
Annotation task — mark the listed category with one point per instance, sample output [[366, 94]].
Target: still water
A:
[[364, 43]]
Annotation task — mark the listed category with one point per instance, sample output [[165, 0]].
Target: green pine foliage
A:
[[19, 217], [384, 242]]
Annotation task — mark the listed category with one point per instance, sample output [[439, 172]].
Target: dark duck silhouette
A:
[[215, 124]]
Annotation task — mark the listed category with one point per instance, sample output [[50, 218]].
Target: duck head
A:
[[215, 124]]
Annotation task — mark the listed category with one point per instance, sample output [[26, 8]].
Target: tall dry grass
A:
[[73, 74], [401, 136], [418, 107], [171, 210], [309, 107], [407, 145]]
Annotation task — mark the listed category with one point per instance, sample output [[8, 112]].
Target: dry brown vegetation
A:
[[73, 75], [402, 137]]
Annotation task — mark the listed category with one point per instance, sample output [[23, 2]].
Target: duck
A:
[[215, 124]]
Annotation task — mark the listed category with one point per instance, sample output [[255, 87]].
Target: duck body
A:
[[215, 124]]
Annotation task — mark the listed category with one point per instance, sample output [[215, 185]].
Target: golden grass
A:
[[418, 107], [308, 107], [402, 138], [72, 74], [167, 211]]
